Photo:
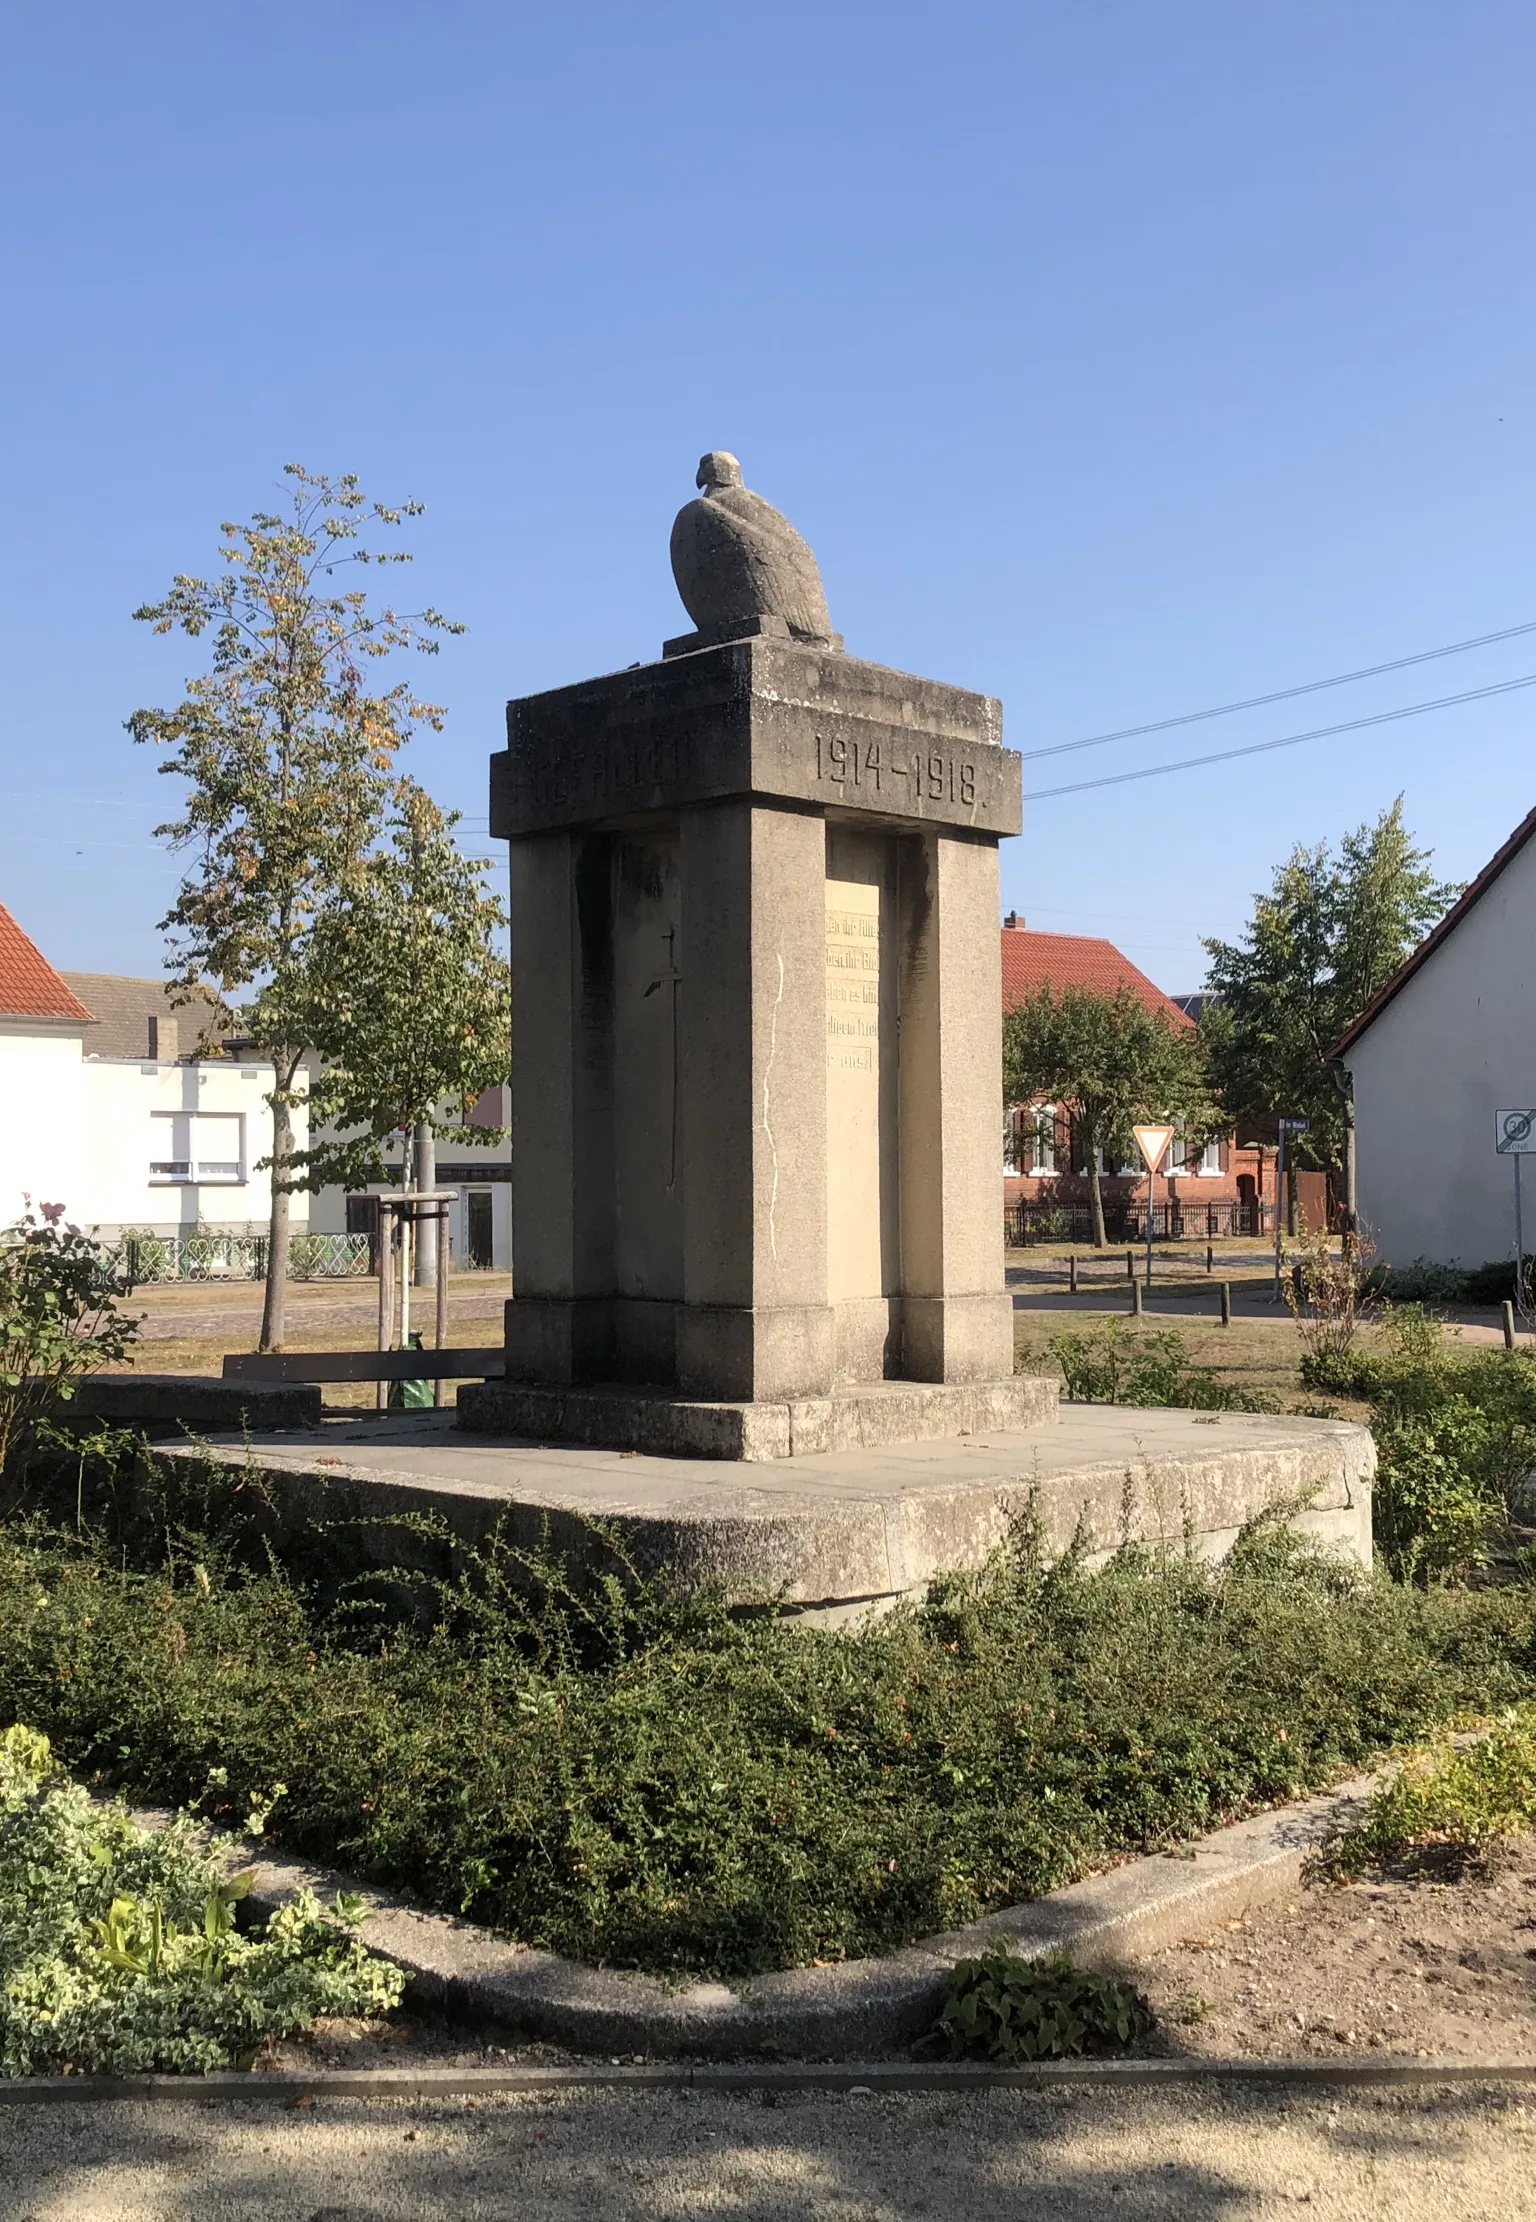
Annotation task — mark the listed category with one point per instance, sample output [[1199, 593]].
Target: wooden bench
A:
[[367, 1365]]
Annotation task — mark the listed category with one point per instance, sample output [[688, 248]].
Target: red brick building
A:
[[1212, 1191]]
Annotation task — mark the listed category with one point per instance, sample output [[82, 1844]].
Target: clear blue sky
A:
[[1118, 359]]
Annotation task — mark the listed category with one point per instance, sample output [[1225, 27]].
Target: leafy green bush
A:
[[1425, 1282], [630, 1775], [1005, 2007], [1449, 1799], [1109, 1365], [1494, 1283], [1439, 1505], [1455, 1438], [59, 1318], [118, 1948]]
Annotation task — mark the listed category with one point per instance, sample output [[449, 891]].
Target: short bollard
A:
[[1226, 1303], [1072, 1275], [1509, 1326], [1135, 1299]]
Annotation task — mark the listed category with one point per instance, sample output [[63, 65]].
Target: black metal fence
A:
[[1038, 1219]]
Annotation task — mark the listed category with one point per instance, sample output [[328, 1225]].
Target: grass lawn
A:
[[189, 1327], [1261, 1356]]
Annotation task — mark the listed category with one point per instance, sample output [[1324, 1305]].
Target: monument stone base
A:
[[620, 1417], [832, 1538]]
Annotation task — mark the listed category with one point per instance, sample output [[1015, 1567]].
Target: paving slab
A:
[[842, 1532]]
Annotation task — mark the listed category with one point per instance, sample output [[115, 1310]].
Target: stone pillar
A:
[[754, 1320], [755, 951], [957, 1318], [541, 1334]]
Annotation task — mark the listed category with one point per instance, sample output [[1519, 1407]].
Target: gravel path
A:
[[1198, 2154]]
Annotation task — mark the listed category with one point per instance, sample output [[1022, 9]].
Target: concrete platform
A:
[[869, 1417], [837, 1535], [180, 1404]]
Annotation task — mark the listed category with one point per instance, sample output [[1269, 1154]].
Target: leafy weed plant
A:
[[1004, 2007], [1449, 1804], [1108, 1365]]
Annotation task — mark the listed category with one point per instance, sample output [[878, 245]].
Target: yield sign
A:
[[1152, 1141]]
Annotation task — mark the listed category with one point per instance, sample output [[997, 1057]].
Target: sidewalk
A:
[[1200, 2153]]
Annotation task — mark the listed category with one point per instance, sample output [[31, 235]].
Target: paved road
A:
[[1196, 2154], [1182, 1290]]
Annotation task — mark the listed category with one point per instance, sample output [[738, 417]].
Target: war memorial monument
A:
[[759, 1325]]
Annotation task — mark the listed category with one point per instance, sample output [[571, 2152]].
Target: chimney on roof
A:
[[1015, 921]]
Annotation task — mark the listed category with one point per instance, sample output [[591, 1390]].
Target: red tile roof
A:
[[29, 986], [1076, 961]]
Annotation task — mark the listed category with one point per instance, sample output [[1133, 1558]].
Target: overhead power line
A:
[[1283, 694], [1261, 748]]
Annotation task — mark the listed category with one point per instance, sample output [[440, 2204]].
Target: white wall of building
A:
[[167, 1147], [478, 1173], [43, 1148], [1456, 1044]]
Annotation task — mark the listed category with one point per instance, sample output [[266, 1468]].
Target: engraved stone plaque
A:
[[761, 718]]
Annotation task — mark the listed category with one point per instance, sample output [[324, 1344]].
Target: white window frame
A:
[[171, 1171], [1042, 1140]]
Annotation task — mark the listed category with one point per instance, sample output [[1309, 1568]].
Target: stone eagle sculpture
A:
[[741, 568]]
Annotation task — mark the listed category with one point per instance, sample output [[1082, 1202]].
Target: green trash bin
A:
[[410, 1396]]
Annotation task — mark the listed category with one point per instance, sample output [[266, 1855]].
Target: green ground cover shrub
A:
[[630, 1776], [118, 1948], [1455, 1800], [1110, 1365]]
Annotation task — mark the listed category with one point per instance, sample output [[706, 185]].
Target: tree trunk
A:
[[424, 1271], [278, 1227], [1351, 1206], [1095, 1191]]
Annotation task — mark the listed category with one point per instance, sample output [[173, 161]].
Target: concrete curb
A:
[[868, 2078], [859, 2008]]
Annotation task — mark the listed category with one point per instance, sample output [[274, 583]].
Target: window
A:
[[197, 1146], [1040, 1139], [1029, 1139], [1210, 1158]]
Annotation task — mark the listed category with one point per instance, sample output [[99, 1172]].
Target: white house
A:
[[481, 1220], [100, 1112], [1450, 1040]]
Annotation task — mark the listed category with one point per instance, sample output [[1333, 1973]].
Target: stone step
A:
[[869, 1417]]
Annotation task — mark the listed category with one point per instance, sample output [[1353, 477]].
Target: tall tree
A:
[[412, 1003], [289, 758], [1327, 937], [1110, 1063]]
